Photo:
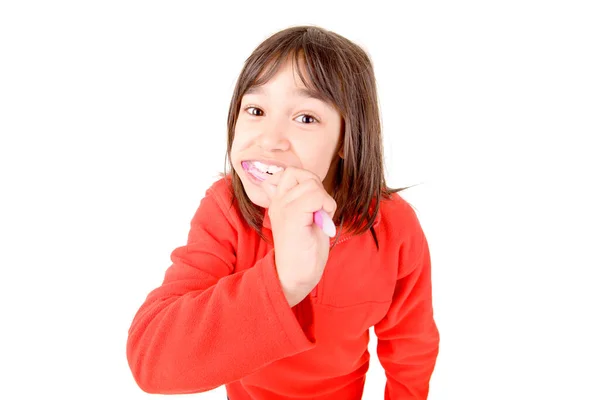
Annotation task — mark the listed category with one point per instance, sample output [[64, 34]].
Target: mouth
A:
[[260, 170]]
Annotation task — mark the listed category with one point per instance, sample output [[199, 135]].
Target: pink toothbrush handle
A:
[[323, 221]]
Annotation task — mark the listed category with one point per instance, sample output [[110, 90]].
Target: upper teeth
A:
[[271, 169]]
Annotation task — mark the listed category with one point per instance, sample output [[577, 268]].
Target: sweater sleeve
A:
[[206, 326], [408, 338]]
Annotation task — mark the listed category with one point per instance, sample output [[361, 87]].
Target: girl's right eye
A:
[[251, 113]]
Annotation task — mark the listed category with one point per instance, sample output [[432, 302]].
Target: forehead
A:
[[301, 92]]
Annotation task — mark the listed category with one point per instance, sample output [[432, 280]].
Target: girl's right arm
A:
[[206, 326]]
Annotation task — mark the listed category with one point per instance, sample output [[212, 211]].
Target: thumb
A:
[[330, 206]]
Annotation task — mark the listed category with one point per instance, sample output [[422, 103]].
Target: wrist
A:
[[294, 294]]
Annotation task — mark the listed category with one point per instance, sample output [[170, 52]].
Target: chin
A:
[[259, 199]]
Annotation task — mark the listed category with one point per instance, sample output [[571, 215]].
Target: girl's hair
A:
[[342, 74]]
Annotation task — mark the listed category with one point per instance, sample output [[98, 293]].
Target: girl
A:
[[260, 299]]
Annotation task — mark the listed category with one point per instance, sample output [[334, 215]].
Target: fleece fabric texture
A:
[[220, 316]]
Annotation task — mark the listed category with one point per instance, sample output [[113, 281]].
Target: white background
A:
[[113, 125]]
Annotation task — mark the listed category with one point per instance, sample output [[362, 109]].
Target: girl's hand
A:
[[301, 247]]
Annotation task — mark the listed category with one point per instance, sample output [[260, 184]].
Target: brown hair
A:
[[342, 73]]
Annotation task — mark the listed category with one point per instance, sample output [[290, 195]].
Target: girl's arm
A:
[[204, 326], [408, 337]]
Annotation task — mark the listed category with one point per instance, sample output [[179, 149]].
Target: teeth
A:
[[271, 169]]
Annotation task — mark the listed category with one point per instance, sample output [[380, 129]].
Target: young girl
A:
[[260, 299]]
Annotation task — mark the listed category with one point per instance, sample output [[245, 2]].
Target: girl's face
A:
[[280, 124]]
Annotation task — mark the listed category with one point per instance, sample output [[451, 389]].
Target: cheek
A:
[[317, 157], [236, 146], [241, 139]]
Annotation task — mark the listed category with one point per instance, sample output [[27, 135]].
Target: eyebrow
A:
[[301, 92]]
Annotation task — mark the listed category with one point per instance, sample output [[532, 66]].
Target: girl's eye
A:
[[308, 116], [305, 120], [248, 108]]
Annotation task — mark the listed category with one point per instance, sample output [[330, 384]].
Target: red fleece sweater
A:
[[220, 316]]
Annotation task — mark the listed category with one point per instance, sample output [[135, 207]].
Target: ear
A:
[[341, 147], [341, 139]]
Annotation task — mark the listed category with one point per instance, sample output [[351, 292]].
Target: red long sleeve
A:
[[408, 338], [206, 326]]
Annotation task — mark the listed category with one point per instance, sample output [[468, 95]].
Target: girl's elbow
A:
[[141, 368]]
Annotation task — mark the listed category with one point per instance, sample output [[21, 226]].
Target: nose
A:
[[273, 136]]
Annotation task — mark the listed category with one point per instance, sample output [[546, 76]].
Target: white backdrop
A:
[[113, 125]]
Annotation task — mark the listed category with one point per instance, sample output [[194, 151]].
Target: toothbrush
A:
[[324, 221]]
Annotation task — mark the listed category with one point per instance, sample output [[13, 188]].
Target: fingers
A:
[[311, 201], [308, 187], [329, 205], [277, 185], [301, 190], [309, 196]]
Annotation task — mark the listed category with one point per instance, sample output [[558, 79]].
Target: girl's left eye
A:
[[309, 116]]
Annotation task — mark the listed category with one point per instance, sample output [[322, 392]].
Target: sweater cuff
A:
[[281, 308]]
